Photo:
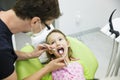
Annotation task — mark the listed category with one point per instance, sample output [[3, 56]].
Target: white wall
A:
[[81, 15], [21, 40]]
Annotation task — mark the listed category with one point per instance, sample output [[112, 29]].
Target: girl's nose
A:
[[57, 43]]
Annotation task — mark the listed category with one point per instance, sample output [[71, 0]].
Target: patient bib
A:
[[73, 71]]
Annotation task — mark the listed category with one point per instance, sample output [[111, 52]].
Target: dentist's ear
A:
[[35, 24], [35, 21]]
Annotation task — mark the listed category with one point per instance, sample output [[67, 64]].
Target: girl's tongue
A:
[[60, 51]]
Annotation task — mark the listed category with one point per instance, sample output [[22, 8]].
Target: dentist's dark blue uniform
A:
[[7, 54]]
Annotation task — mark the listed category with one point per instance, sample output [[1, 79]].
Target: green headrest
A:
[[81, 51]]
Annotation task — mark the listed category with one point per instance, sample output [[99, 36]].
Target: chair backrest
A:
[[80, 50]]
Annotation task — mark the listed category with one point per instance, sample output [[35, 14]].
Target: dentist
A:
[[25, 16]]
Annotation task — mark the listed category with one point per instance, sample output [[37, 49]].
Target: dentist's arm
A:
[[36, 53], [51, 66], [24, 55]]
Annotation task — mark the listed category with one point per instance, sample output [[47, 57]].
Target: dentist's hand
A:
[[40, 49], [55, 64]]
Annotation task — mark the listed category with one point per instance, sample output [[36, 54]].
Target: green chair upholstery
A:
[[87, 60]]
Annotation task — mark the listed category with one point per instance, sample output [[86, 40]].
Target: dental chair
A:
[[87, 59]]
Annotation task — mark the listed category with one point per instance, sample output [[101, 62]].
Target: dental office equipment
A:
[[111, 26], [114, 64]]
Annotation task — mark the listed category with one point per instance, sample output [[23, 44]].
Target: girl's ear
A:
[[50, 52], [68, 43]]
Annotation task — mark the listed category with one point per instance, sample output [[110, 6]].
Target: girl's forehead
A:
[[54, 35]]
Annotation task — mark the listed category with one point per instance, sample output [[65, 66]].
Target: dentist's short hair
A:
[[44, 9]]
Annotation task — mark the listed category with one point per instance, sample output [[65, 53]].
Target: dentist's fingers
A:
[[56, 64], [39, 50], [46, 46], [42, 47], [60, 59], [37, 53]]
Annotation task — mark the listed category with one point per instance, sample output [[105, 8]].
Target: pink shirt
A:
[[73, 71]]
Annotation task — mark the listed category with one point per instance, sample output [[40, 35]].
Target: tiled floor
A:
[[101, 45]]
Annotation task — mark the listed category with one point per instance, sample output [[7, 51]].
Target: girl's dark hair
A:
[[44, 9], [58, 31]]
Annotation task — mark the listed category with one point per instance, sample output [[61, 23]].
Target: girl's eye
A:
[[52, 42], [60, 39]]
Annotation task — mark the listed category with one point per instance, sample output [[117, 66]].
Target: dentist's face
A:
[[59, 42], [35, 25], [40, 26]]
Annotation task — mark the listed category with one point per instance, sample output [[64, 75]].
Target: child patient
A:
[[73, 69]]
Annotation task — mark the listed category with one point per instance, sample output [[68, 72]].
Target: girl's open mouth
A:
[[60, 51]]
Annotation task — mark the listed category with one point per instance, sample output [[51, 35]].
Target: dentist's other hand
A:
[[55, 64], [45, 47], [40, 49], [34, 54]]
